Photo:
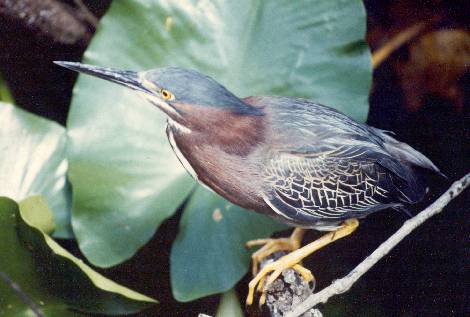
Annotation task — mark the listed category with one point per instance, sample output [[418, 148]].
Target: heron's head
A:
[[184, 95]]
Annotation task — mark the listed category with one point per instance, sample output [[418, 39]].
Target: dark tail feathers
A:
[[412, 187], [407, 154]]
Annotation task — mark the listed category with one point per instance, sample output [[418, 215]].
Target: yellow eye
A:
[[167, 95]]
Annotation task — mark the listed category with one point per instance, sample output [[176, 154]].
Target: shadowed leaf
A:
[[5, 94], [209, 254], [38, 276]]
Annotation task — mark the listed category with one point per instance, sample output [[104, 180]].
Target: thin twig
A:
[[381, 54], [24, 297], [344, 284]]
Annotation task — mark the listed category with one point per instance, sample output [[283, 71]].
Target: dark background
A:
[[421, 92]]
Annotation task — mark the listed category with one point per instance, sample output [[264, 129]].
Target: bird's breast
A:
[[234, 176]]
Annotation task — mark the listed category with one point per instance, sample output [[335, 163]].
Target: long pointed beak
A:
[[126, 78]]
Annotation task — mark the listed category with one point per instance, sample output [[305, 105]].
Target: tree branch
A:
[[344, 284]]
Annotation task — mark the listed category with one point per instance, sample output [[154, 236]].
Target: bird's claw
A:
[[293, 259], [305, 273], [269, 273]]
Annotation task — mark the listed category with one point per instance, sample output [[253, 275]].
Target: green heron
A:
[[305, 164]]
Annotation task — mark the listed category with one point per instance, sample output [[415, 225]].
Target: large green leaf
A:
[[33, 162], [120, 160], [38, 275], [121, 167], [209, 255]]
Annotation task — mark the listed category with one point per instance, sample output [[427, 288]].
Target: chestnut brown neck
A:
[[232, 132]]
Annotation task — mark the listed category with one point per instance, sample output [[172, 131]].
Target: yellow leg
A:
[[273, 245], [292, 259]]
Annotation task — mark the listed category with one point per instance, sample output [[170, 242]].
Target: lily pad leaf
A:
[[125, 178], [40, 278], [33, 162], [209, 254]]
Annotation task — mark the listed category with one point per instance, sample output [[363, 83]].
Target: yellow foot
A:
[[269, 246], [292, 259], [305, 273]]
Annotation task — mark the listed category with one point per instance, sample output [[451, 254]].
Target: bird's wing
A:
[[335, 184], [324, 165]]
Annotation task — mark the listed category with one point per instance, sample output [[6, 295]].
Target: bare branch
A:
[[344, 284]]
